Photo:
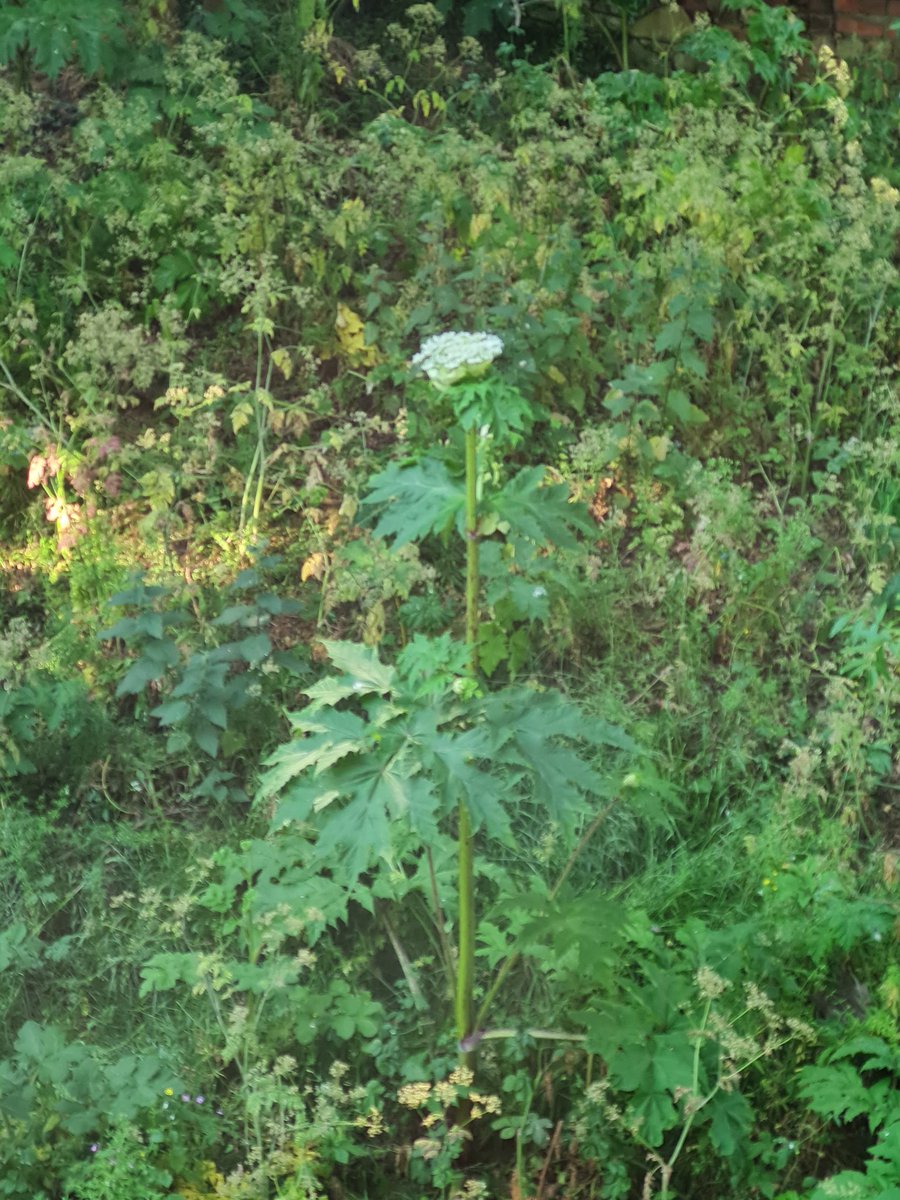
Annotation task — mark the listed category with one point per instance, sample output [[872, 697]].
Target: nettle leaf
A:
[[171, 712], [138, 675], [644, 381], [206, 736], [420, 500], [678, 405], [542, 514]]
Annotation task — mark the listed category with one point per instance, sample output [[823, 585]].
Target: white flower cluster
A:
[[449, 357]]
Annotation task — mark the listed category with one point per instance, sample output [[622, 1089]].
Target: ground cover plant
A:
[[449, 643]]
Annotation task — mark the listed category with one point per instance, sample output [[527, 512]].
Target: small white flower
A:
[[449, 357], [539, 592]]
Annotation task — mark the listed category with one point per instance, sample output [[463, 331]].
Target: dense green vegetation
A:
[[463, 782]]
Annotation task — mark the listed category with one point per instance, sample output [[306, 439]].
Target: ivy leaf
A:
[[419, 500]]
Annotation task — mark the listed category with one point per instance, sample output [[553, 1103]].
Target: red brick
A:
[[871, 8], [859, 27], [893, 8]]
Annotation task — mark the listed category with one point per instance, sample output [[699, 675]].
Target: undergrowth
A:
[[446, 787]]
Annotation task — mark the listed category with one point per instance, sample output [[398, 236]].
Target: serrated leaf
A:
[[330, 738], [214, 711], [530, 599], [534, 720], [206, 737], [171, 712], [362, 664], [138, 676], [542, 514], [234, 613], [835, 1091], [420, 500], [679, 405], [456, 753], [299, 803], [255, 648], [669, 337], [656, 1114], [731, 1119], [495, 404], [162, 651], [493, 646], [361, 830], [644, 381]]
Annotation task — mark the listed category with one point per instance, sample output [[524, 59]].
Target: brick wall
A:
[[831, 20], [865, 18]]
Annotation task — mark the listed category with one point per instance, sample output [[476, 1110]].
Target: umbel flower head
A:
[[450, 357]]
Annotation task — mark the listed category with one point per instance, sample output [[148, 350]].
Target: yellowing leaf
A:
[[240, 415], [349, 506], [479, 223], [349, 328], [283, 362], [314, 567], [659, 447], [373, 629]]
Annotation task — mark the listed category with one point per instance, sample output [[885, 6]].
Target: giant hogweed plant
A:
[[384, 757]]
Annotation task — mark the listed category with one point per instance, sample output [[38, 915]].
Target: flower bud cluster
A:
[[449, 357]]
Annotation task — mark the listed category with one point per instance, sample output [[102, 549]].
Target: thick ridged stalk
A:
[[465, 974]]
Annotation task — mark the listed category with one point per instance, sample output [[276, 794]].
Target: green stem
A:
[[472, 546], [465, 969]]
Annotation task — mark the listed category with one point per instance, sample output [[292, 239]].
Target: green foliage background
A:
[[237, 715]]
